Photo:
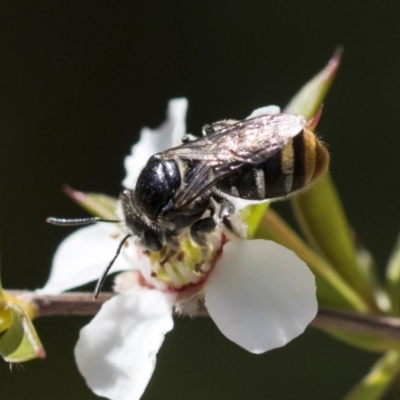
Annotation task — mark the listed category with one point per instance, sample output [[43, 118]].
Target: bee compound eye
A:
[[156, 184]]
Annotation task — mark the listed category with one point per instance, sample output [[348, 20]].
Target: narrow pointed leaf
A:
[[379, 379], [20, 342], [370, 270], [99, 205], [310, 97], [393, 278], [373, 343], [320, 215], [252, 216], [306, 102], [332, 290], [319, 211]]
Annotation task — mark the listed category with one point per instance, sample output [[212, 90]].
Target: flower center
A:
[[187, 266]]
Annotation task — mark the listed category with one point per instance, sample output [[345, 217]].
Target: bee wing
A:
[[197, 181], [229, 146], [251, 141]]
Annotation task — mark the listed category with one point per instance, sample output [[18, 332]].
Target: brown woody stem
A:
[[82, 304]]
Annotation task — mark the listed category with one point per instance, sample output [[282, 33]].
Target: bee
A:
[[190, 187]]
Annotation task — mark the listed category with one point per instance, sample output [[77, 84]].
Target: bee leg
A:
[[200, 229], [221, 208], [172, 241], [225, 215], [233, 227]]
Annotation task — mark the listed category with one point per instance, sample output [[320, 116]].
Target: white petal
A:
[[168, 135], [116, 352], [269, 110], [260, 295], [239, 203], [83, 256]]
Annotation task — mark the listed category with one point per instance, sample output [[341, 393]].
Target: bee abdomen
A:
[[311, 159], [298, 164]]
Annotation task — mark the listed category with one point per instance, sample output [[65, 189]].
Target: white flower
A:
[[259, 294]]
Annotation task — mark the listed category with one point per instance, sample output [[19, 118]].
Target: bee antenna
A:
[[77, 221], [103, 276]]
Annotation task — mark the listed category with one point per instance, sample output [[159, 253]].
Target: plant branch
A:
[[82, 304]]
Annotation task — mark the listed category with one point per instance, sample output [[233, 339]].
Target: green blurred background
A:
[[78, 79]]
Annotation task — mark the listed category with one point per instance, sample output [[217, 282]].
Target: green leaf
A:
[[252, 216], [379, 379], [322, 220], [319, 210], [393, 279], [310, 97], [20, 342], [306, 102], [368, 267], [332, 290], [373, 343], [99, 205]]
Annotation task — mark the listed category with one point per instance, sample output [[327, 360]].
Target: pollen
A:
[[189, 266]]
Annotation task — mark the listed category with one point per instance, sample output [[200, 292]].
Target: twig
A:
[[82, 304], [73, 303]]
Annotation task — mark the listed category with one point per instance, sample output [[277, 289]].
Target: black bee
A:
[[188, 187]]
